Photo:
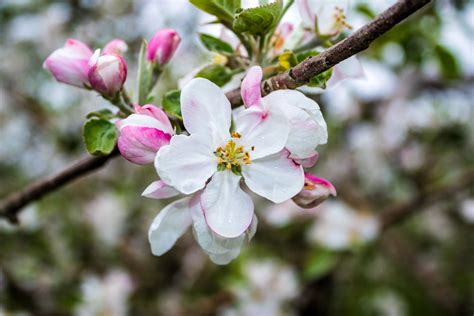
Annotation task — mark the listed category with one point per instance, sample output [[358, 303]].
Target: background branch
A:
[[295, 77]]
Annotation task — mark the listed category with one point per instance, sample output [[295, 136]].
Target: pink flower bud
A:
[[162, 46], [142, 134], [107, 73], [315, 191], [69, 64], [116, 47]]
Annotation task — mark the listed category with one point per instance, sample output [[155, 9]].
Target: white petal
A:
[[224, 258], [228, 209], [205, 109], [187, 162], [308, 128], [275, 177], [159, 190], [168, 226], [266, 132]]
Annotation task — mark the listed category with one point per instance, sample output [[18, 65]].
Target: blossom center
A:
[[339, 21], [231, 156]]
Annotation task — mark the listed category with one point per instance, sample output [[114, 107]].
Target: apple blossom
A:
[[308, 128], [316, 190], [327, 18], [116, 47], [69, 64], [162, 46], [143, 133], [107, 73], [214, 160]]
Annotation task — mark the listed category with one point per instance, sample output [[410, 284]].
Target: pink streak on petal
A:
[[250, 88], [159, 190], [157, 113], [139, 145]]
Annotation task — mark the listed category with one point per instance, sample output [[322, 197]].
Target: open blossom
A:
[[254, 151], [107, 73], [307, 126], [316, 190], [69, 64], [162, 46], [143, 133], [328, 17]]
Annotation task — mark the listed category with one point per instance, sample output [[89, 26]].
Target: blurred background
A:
[[396, 138]]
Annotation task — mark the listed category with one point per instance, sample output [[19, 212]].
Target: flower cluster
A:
[[265, 149]]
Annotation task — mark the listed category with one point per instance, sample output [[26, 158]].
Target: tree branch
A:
[[353, 44], [295, 77], [12, 204]]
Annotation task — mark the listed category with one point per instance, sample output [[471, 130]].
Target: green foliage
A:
[[320, 263], [105, 114], [259, 20], [287, 60], [143, 75], [218, 74], [222, 9], [99, 136], [320, 80], [215, 45], [448, 64], [171, 103]]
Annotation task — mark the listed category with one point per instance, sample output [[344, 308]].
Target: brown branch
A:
[[295, 77], [12, 204], [399, 213], [353, 44]]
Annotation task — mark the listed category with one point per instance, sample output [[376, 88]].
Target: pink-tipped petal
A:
[[316, 190], [250, 88], [139, 145], [159, 190], [227, 208], [69, 64], [275, 177], [308, 162], [108, 74], [169, 225], [158, 114], [162, 46], [115, 47]]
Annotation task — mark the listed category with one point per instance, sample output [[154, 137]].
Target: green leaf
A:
[[222, 9], [105, 114], [320, 80], [99, 136], [143, 76], [218, 74], [259, 20], [215, 45], [448, 64], [320, 263], [171, 103]]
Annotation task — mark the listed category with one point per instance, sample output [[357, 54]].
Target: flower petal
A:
[[206, 110], [168, 226], [116, 46], [250, 88], [308, 128], [228, 209], [351, 68], [187, 162], [140, 144], [145, 121], [265, 132], [159, 190], [157, 113], [276, 177]]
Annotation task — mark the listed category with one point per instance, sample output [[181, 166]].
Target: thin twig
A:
[[353, 44], [11, 205], [295, 77]]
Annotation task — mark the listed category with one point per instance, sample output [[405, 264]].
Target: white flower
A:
[[214, 160], [340, 227]]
